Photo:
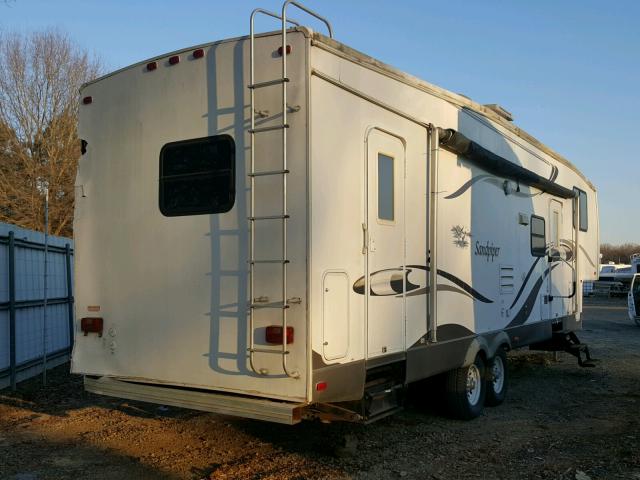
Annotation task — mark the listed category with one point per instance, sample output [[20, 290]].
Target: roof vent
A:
[[500, 111]]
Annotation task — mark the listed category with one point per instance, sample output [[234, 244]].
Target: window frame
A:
[[183, 212], [577, 208], [380, 220], [543, 236]]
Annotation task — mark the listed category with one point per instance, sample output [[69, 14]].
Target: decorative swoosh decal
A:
[[389, 281], [386, 282], [566, 245], [467, 185], [525, 311], [441, 288], [587, 255], [561, 252], [467, 288], [498, 182], [572, 245], [526, 280]]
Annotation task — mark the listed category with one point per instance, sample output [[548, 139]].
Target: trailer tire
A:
[[465, 390], [497, 380]]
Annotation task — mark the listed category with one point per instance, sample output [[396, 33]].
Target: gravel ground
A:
[[559, 422]]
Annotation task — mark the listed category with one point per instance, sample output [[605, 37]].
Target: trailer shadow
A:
[[68, 459], [228, 233]]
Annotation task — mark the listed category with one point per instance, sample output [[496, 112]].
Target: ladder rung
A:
[[268, 261], [268, 83], [268, 172], [268, 129], [270, 305], [266, 350], [269, 217]]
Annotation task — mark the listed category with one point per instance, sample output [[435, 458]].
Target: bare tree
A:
[[40, 75], [618, 253]]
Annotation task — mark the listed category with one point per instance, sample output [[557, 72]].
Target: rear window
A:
[[197, 176]]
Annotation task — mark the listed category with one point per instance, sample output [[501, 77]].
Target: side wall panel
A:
[[488, 278], [340, 124]]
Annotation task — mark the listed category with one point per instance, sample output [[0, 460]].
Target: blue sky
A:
[[569, 70]]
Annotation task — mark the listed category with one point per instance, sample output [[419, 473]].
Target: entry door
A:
[[557, 283], [385, 249]]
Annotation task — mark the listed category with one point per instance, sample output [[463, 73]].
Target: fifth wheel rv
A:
[[282, 228]]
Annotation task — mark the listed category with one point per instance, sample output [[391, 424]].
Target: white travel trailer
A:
[[280, 227]]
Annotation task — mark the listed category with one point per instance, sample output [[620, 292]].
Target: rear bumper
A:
[[226, 404]]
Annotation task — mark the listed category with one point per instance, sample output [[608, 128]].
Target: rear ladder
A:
[[257, 303]]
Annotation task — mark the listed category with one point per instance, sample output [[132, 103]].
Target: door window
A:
[[386, 188], [555, 228], [538, 238]]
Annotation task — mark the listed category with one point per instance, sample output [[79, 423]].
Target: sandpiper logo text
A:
[[490, 251]]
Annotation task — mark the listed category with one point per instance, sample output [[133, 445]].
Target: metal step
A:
[[268, 129], [267, 350], [268, 217], [567, 341], [268, 172], [279, 305], [380, 402], [268, 83], [268, 261]]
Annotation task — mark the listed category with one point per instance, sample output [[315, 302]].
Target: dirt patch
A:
[[559, 422]]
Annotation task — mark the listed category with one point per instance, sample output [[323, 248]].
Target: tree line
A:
[[40, 77], [618, 253]]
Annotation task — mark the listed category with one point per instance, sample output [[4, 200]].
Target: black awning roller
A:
[[457, 143]]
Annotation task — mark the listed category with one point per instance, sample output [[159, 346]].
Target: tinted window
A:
[[197, 176], [582, 210], [385, 187], [538, 240]]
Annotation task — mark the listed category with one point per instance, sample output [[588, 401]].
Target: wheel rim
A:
[[474, 384], [497, 371]]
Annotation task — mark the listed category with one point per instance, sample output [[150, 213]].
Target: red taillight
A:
[[91, 325], [151, 66], [199, 53], [175, 59], [87, 100], [321, 386], [288, 50], [274, 334]]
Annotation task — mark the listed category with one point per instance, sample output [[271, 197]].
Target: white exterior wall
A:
[[339, 122], [173, 290]]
